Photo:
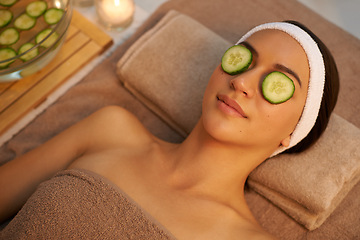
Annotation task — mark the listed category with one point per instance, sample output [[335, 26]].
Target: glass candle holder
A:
[[115, 14]]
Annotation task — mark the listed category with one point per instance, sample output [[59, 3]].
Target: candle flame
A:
[[117, 2], [57, 4]]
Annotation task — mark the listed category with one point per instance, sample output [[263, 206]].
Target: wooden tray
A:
[[84, 41]]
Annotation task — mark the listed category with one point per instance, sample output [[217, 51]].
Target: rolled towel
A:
[[308, 186], [170, 66]]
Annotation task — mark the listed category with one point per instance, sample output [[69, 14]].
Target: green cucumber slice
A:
[[49, 41], [53, 15], [24, 22], [6, 53], [30, 54], [277, 87], [236, 59], [5, 17], [9, 36], [7, 3], [36, 9]]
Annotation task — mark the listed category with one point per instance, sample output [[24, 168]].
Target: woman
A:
[[192, 190]]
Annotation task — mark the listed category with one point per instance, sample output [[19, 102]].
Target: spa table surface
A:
[[143, 10]]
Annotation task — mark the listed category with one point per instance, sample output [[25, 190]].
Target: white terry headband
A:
[[316, 80]]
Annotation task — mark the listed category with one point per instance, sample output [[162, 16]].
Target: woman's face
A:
[[234, 109]]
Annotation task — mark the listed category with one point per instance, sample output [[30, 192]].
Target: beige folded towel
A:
[[310, 185], [168, 69], [169, 66]]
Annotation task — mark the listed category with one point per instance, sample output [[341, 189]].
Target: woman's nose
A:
[[244, 84]]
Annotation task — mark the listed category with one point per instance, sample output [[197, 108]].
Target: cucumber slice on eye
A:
[[9, 36], [5, 17], [49, 41], [236, 59], [7, 3], [30, 54], [53, 15], [277, 87], [6, 53], [24, 22], [36, 9]]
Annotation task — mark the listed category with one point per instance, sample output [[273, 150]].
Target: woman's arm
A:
[[20, 177], [110, 127]]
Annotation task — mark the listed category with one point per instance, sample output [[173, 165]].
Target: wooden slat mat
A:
[[84, 41]]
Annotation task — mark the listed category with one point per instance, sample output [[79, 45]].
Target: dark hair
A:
[[330, 95]]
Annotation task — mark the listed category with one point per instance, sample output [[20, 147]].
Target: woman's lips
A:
[[230, 106]]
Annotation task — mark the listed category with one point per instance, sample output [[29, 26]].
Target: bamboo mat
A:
[[83, 42]]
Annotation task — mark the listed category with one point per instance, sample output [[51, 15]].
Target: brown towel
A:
[[310, 185], [170, 65], [78, 204]]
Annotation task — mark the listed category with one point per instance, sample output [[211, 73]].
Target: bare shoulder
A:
[[114, 126], [117, 118]]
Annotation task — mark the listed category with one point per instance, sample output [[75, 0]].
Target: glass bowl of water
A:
[[31, 34]]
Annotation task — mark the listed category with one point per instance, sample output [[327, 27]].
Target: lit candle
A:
[[115, 14]]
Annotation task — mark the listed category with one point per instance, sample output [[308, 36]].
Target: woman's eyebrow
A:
[[247, 45], [277, 66], [288, 70]]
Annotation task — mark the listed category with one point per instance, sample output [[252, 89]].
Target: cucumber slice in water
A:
[[6, 53], [7, 3], [9, 36], [53, 15], [277, 87], [30, 54], [24, 22], [236, 59], [49, 41], [5, 17], [36, 9]]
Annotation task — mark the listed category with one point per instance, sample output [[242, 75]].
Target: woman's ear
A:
[[286, 141]]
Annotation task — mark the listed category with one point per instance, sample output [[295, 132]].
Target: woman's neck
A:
[[212, 169]]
